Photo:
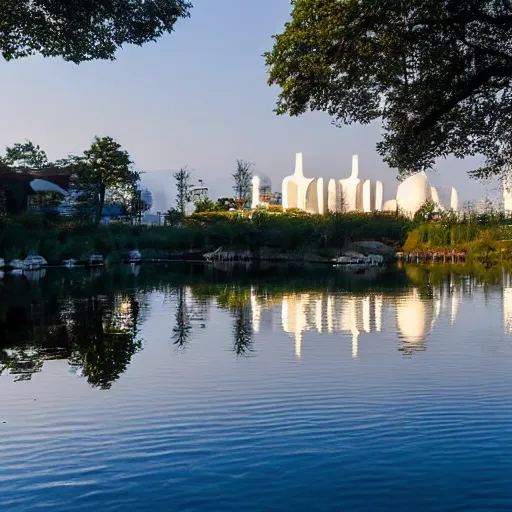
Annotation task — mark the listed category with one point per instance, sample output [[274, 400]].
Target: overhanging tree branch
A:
[[467, 89]]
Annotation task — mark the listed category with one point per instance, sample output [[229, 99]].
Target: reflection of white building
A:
[[507, 303], [413, 316]]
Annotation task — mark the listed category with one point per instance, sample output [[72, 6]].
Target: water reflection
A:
[[103, 337], [94, 319]]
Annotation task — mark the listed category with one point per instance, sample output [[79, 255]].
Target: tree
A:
[[25, 154], [172, 217], [436, 72], [206, 205], [105, 166], [427, 211], [82, 30], [183, 186], [225, 203], [137, 206], [242, 186]]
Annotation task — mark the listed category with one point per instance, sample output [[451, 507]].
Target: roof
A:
[[56, 175]]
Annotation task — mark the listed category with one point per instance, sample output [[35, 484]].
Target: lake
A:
[[181, 387]]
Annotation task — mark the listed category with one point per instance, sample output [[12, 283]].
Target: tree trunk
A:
[[101, 204]]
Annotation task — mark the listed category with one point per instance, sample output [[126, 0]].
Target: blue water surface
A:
[[245, 399]]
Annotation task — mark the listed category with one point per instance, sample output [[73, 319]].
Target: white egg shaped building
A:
[[412, 193]]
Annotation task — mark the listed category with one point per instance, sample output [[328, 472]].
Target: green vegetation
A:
[[299, 234], [105, 167], [487, 238], [435, 73], [102, 175], [25, 154], [79, 30], [242, 187]]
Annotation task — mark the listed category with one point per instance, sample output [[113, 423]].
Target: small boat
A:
[[353, 258], [70, 263], [16, 267], [210, 256], [343, 260], [134, 257], [96, 260], [34, 262]]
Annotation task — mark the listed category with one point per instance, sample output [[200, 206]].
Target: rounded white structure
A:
[[414, 317], [389, 205], [412, 193]]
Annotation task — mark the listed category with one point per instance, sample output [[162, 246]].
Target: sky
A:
[[198, 97]]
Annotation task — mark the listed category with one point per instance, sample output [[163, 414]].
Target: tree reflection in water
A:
[[182, 327], [103, 335], [236, 299], [93, 319], [242, 330], [79, 319]]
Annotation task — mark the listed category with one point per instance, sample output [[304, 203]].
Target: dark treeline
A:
[[57, 240]]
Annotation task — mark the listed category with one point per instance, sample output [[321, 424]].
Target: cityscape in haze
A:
[[198, 98]]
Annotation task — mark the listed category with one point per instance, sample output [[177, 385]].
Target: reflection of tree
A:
[[237, 300], [242, 330], [182, 327], [103, 332]]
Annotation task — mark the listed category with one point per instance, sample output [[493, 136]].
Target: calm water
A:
[[184, 389]]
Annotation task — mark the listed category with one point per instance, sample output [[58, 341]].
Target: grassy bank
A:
[[323, 235], [488, 243]]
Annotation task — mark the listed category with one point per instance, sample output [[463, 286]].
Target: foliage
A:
[[225, 203], [82, 30], [206, 205], [437, 73], [183, 186], [173, 217], [200, 232], [243, 186], [485, 240], [106, 166], [426, 212], [137, 206], [25, 154]]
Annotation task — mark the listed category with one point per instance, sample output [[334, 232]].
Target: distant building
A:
[[147, 197], [18, 188], [352, 194]]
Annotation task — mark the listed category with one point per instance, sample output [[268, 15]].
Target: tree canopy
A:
[[82, 30], [243, 185], [25, 154], [436, 72], [105, 165]]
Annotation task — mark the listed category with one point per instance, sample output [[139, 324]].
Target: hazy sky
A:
[[197, 97]]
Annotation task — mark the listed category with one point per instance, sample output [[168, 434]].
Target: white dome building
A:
[[412, 193]]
